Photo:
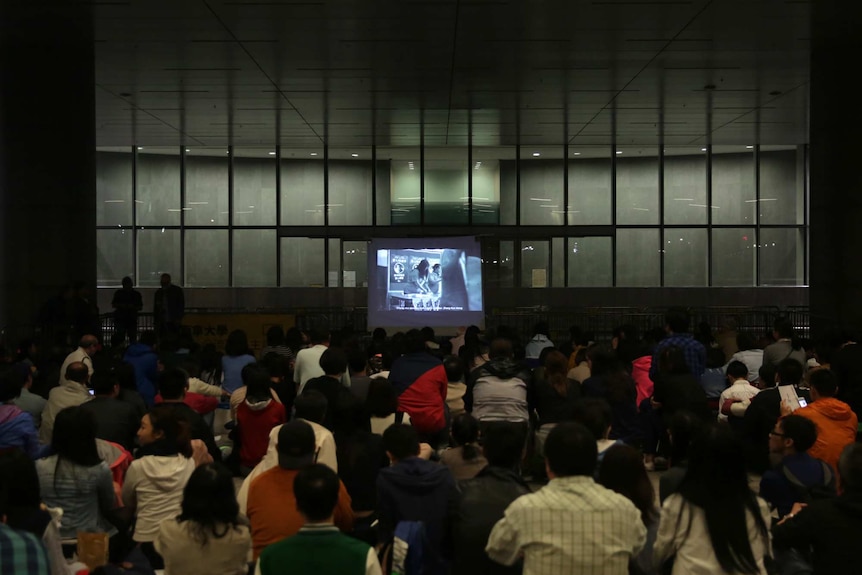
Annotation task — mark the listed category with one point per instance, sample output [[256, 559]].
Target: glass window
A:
[[355, 263], [254, 253], [254, 187], [733, 257], [508, 185], [542, 186], [558, 262], [334, 272], [733, 196], [637, 186], [498, 262], [158, 253], [302, 188], [534, 264], [206, 258], [158, 187], [350, 187], [383, 193], [114, 188], [685, 186], [685, 257], [113, 257], [782, 257], [206, 187], [486, 174], [590, 261], [782, 185], [302, 262], [638, 263], [446, 195], [405, 184], [590, 187]]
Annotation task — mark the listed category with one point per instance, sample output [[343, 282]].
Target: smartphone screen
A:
[[802, 402], [91, 392]]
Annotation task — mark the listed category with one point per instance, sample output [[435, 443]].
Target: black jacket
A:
[[483, 501], [116, 420], [199, 428], [503, 368], [759, 420]]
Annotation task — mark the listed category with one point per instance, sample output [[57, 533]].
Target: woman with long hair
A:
[[611, 382], [714, 523], [207, 536], [464, 460], [555, 394], [237, 355]]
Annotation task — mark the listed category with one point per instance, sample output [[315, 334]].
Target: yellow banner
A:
[[214, 328]]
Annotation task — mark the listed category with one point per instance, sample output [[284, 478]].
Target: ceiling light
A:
[[354, 155], [536, 154], [703, 149], [749, 147], [140, 147], [619, 152], [187, 150], [576, 153], [272, 153], [313, 153]]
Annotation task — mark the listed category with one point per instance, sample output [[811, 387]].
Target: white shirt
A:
[[753, 359], [77, 355], [307, 366], [537, 344], [572, 525], [372, 565], [741, 390]]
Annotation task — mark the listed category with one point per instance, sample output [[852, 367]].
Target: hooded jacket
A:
[[421, 382], [498, 391], [836, 428], [640, 373], [17, 431], [146, 364], [255, 419]]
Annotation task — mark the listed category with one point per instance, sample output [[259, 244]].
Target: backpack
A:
[[808, 493], [407, 550]]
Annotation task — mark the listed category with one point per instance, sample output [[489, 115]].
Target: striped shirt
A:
[[21, 553], [571, 526]]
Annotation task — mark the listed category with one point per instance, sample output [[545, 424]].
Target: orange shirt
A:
[[272, 508], [836, 428]]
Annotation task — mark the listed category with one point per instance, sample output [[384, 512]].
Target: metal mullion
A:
[[518, 184], [135, 214], [661, 208], [709, 214], [566, 230], [182, 213], [757, 214], [230, 215], [277, 214], [470, 171], [805, 208], [422, 172], [326, 213], [374, 185]]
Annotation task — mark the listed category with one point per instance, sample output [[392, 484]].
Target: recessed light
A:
[[354, 155], [619, 152], [703, 149], [313, 153], [272, 153], [576, 153], [749, 147], [536, 154], [140, 147], [187, 150]]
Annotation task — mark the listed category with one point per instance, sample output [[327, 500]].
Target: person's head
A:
[[148, 338], [296, 446], [379, 334], [209, 503], [400, 442], [782, 329], [823, 352], [382, 400], [275, 335], [594, 414], [349, 416], [311, 406], [19, 479], [622, 470], [333, 362], [502, 444], [74, 437], [165, 280], [792, 434], [671, 361], [236, 344], [789, 372], [104, 383], [357, 363], [10, 384], [714, 358], [737, 370], [454, 367], [603, 360], [465, 434], [541, 328], [570, 449], [501, 348], [766, 376], [89, 343], [745, 341], [318, 337], [676, 320], [277, 366], [316, 490], [77, 372], [257, 382], [164, 425], [850, 468], [684, 430], [428, 333], [823, 383], [173, 384], [127, 282], [414, 341]]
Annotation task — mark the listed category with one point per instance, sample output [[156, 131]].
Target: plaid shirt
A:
[[21, 553], [571, 526], [695, 353]]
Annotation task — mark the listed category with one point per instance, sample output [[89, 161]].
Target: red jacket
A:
[[640, 373], [422, 383], [254, 422], [202, 404]]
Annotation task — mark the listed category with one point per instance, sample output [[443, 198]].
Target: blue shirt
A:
[[693, 350], [777, 490], [231, 367], [21, 553]]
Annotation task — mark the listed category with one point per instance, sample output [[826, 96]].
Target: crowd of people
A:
[[417, 454]]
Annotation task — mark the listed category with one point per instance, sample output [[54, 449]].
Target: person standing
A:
[[677, 322], [87, 347], [127, 303], [169, 306]]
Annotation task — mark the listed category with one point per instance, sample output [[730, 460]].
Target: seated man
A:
[[16, 427], [333, 362], [596, 415], [28, 401], [73, 391], [740, 389], [116, 421], [173, 386], [318, 547], [836, 423], [272, 506], [572, 525]]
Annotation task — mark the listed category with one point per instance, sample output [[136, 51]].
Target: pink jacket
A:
[[640, 373]]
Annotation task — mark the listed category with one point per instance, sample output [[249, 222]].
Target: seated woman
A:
[[207, 536], [555, 394], [464, 460], [256, 416], [382, 405]]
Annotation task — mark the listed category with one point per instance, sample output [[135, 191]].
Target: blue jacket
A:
[[777, 490], [17, 431], [146, 364]]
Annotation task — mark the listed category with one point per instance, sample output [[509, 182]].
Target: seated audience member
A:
[[275, 343], [318, 547], [239, 394], [72, 392], [307, 364], [714, 505], [483, 501], [610, 381], [749, 354], [714, 381], [207, 536], [539, 340], [311, 408], [764, 410], [237, 355], [154, 484], [457, 388], [622, 471], [414, 489], [420, 382], [786, 346], [333, 362], [382, 406], [144, 360], [357, 365], [836, 423], [684, 430], [271, 507], [830, 528], [28, 401], [116, 421], [581, 370], [740, 389], [196, 384], [173, 386], [572, 525], [278, 369], [22, 552], [798, 474], [555, 394], [256, 416], [464, 460], [596, 415], [125, 375], [16, 426], [691, 352]]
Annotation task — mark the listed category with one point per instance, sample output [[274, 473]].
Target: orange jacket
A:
[[836, 428]]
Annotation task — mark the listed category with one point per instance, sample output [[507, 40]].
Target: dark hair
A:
[[318, 336], [745, 341], [716, 481], [801, 430], [125, 374], [349, 416], [622, 470], [428, 333], [502, 444], [789, 372], [379, 334], [333, 361], [677, 319], [356, 361], [382, 399], [714, 358], [414, 341], [236, 344], [173, 383], [191, 367], [77, 372], [275, 335], [671, 360], [74, 437], [176, 430], [209, 503], [10, 384], [276, 365], [501, 348], [824, 381], [541, 327], [310, 405], [607, 366], [556, 371], [824, 351], [594, 414], [20, 481], [465, 434], [454, 367], [685, 429], [148, 338], [737, 370], [766, 374], [850, 468], [570, 449], [293, 339], [257, 384], [401, 441], [784, 328], [103, 382], [316, 490]]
